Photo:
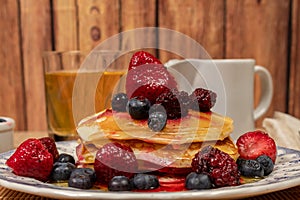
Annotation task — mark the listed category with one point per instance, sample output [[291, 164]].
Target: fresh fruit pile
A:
[[115, 166], [151, 88], [257, 154]]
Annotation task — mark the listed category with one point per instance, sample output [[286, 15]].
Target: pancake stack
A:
[[169, 151]]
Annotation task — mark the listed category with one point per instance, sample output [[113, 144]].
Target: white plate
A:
[[286, 174]]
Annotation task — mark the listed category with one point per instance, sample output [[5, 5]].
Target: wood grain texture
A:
[[259, 30], [98, 20], [201, 20], [65, 26], [12, 101], [294, 89], [36, 38], [138, 14]]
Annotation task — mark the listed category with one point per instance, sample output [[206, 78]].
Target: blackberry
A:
[[64, 158], [221, 168], [250, 168], [175, 102], [145, 181], [197, 181], [205, 99], [119, 102], [119, 183], [266, 163], [138, 107], [82, 178]]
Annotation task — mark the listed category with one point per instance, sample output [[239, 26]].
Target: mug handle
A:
[[266, 91]]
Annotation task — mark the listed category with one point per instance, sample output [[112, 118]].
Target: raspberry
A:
[[222, 169], [175, 103], [114, 159], [205, 99]]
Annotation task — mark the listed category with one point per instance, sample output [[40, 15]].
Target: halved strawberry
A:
[[254, 144], [31, 159], [141, 58], [148, 77]]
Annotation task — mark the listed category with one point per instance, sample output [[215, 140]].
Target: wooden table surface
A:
[[291, 193]]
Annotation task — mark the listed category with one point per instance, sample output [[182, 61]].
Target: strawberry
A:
[[50, 145], [31, 159], [141, 58], [114, 159], [254, 144], [147, 77]]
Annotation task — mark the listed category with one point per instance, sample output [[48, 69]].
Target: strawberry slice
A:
[[141, 58], [147, 77], [31, 159], [254, 144]]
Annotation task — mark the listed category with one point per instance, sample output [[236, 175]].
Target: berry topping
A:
[[157, 121], [114, 159], [50, 145], [197, 181], [119, 183], [250, 168], [148, 78], [119, 102], [64, 158], [221, 168], [62, 171], [138, 107], [266, 163], [82, 178], [2, 120], [174, 102], [31, 159], [254, 144], [142, 58], [205, 99], [145, 182]]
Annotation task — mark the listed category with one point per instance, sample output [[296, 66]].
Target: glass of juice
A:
[[74, 92]]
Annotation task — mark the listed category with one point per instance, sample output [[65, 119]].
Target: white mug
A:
[[233, 82], [6, 134]]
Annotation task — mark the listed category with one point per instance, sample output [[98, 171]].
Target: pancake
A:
[[195, 127], [159, 157]]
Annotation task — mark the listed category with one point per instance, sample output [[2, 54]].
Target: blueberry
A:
[[145, 182], [82, 178], [62, 171], [2, 120], [266, 163], [119, 102], [119, 183], [138, 107], [85, 171], [197, 181], [250, 168], [64, 158], [157, 121]]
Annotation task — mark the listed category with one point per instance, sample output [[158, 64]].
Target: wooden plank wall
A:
[[266, 30]]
